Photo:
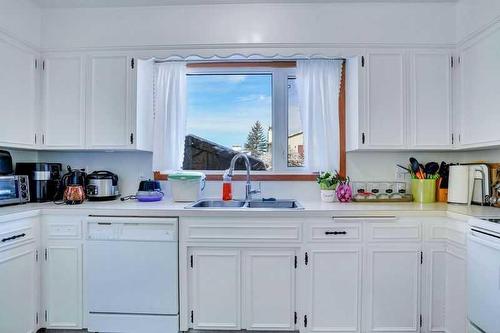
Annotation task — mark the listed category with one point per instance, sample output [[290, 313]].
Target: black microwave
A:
[[14, 190]]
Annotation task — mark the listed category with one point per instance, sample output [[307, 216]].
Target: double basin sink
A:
[[251, 204]]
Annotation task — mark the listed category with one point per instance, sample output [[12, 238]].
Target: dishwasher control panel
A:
[[132, 229]]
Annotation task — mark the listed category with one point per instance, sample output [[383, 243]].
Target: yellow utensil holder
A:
[[423, 190]]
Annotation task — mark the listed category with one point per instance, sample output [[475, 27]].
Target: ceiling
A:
[[138, 3]]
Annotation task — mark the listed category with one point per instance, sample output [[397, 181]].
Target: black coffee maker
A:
[[44, 179]]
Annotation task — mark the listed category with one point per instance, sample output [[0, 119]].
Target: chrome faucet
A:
[[248, 186]]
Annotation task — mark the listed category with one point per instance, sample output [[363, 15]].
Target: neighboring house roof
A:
[[203, 154]]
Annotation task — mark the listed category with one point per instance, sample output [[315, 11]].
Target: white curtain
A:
[[318, 87], [170, 116]]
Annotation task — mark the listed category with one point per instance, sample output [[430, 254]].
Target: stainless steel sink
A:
[[252, 204], [274, 204], [217, 204]]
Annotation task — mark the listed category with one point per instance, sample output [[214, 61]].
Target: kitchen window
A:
[[250, 109]]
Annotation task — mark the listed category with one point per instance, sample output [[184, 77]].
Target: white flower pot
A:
[[328, 195]]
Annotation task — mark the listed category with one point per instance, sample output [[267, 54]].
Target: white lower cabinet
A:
[[18, 290], [393, 288], [269, 289], [456, 286], [215, 283], [62, 303], [63, 285], [334, 288], [235, 289], [19, 275]]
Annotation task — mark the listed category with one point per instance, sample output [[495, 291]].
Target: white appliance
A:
[[132, 274], [483, 274], [469, 183]]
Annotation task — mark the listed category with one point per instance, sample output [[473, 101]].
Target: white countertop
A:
[[313, 208]]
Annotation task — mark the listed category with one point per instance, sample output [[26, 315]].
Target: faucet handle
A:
[[257, 190]]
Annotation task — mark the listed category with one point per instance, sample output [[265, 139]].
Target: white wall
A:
[[131, 167], [20, 155], [472, 15], [350, 23], [21, 19]]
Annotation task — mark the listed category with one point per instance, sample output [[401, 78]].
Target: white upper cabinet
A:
[[386, 105], [480, 91], [431, 117], [108, 103], [119, 107], [63, 124], [18, 96], [400, 99]]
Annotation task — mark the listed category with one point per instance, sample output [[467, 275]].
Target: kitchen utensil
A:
[[415, 167], [149, 185], [423, 190], [14, 190], [431, 169], [458, 190], [444, 172], [149, 191], [402, 167], [469, 183], [5, 163], [44, 179], [186, 186], [74, 194], [74, 177], [102, 185], [479, 184]]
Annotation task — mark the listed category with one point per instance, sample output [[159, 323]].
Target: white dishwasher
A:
[[483, 264], [132, 274]]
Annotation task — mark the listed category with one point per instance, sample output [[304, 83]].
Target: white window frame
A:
[[279, 112]]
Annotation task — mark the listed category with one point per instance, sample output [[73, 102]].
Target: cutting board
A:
[[495, 175]]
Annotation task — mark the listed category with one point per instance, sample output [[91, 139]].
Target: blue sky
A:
[[223, 108]]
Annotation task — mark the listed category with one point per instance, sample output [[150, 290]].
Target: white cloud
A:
[[236, 78]]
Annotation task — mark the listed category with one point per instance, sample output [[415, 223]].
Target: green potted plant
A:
[[328, 182]]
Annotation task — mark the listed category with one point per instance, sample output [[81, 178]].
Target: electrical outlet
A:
[[400, 175]]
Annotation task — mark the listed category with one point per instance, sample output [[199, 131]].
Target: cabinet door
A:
[[480, 91], [216, 289], [334, 289], [63, 285], [64, 102], [108, 109], [18, 97], [385, 119], [434, 282], [456, 286], [431, 99], [18, 287], [393, 288], [269, 289]]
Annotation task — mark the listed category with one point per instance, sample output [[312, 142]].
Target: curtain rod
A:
[[159, 61]]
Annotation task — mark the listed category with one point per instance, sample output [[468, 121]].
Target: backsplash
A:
[[132, 167]]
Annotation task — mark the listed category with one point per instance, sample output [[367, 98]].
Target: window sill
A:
[[254, 176]]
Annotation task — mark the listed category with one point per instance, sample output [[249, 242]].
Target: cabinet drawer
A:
[[16, 232], [243, 232], [63, 227], [334, 232], [393, 231]]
